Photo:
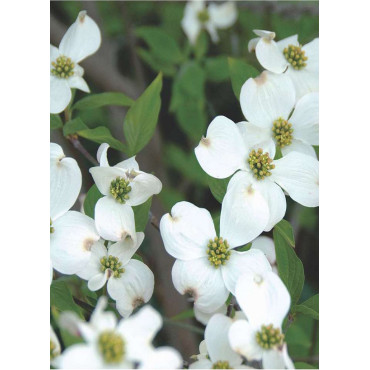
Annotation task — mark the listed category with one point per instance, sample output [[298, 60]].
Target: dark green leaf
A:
[[141, 119], [103, 99], [286, 231], [240, 71], [303, 365], [102, 135], [289, 265], [61, 298], [309, 307], [137, 257], [92, 196], [218, 187], [55, 122], [74, 125], [142, 214], [156, 64], [183, 315], [217, 68]]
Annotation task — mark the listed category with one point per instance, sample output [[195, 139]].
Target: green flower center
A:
[[111, 346], [120, 188], [113, 264], [282, 130], [218, 251], [51, 227], [260, 163], [295, 56], [269, 337], [221, 365], [203, 16], [52, 349], [63, 67]]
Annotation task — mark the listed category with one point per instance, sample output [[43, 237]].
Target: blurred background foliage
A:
[[141, 38]]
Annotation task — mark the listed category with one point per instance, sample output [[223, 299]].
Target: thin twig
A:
[[154, 222], [77, 144]]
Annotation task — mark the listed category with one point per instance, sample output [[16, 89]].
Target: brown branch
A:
[[77, 144]]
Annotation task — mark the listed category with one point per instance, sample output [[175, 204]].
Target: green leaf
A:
[[137, 257], [74, 125], [303, 365], [289, 265], [92, 196], [286, 231], [309, 307], [201, 45], [55, 122], [240, 71], [217, 68], [218, 187], [141, 119], [103, 99], [245, 248], [183, 315], [142, 214], [155, 63], [61, 298], [162, 45]]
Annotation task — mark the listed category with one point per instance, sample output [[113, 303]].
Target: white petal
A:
[[222, 151], [128, 164], [68, 320], [125, 249], [298, 175], [216, 336], [211, 28], [162, 358], [93, 267], [275, 199], [137, 284], [139, 331], [201, 364], [70, 243], [54, 54], [114, 221], [103, 176], [98, 281], [204, 317], [312, 52], [101, 155], [254, 135], [81, 39], [263, 298], [190, 23], [253, 43], [55, 340], [300, 147], [266, 98], [80, 356], [244, 211], [65, 182], [266, 34], [101, 319], [202, 281], [267, 246], [269, 56], [304, 81], [223, 15], [187, 231], [143, 186], [60, 94], [77, 82], [242, 338], [240, 262], [291, 40], [277, 359]]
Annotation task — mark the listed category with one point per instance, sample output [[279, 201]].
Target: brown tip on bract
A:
[[261, 79], [138, 301], [87, 244], [205, 141], [81, 16]]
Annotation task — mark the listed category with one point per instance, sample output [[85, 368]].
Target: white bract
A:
[[124, 183], [227, 149], [81, 40], [215, 351], [204, 317], [300, 63], [216, 16], [55, 348], [267, 246], [109, 344], [72, 234], [267, 102], [265, 301], [207, 266]]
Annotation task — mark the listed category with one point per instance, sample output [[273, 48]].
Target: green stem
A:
[[183, 325]]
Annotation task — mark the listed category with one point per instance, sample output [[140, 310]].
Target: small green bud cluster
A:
[[51, 227], [112, 263], [203, 16], [63, 67], [120, 188], [111, 346], [218, 251], [283, 131], [269, 337], [260, 163], [295, 56], [221, 365]]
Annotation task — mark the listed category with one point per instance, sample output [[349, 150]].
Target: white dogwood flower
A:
[[207, 266], [267, 102], [215, 351], [55, 347], [265, 301], [80, 41], [300, 63], [204, 317], [109, 344], [216, 16], [267, 246], [124, 183], [227, 149], [72, 234]]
